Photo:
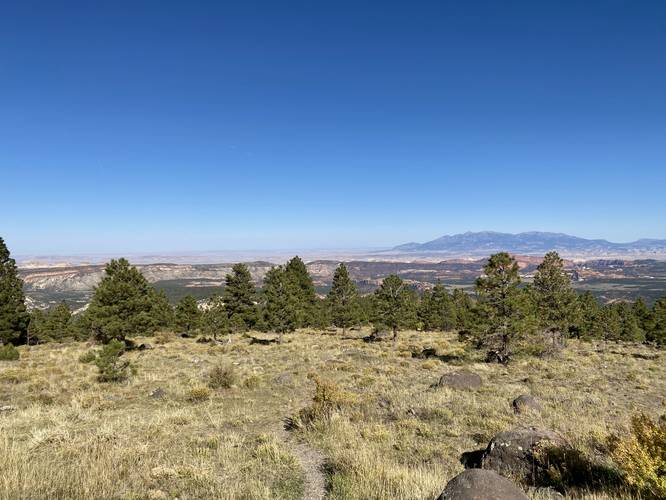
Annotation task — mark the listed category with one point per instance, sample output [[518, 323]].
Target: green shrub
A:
[[329, 398], [109, 364], [222, 377], [9, 353], [88, 357], [642, 456]]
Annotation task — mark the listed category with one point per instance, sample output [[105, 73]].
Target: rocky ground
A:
[[388, 420]]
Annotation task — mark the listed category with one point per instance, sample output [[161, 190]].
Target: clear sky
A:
[[173, 126]]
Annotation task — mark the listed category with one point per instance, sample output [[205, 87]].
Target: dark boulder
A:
[[522, 454], [158, 393], [526, 403], [460, 380], [478, 484], [379, 336]]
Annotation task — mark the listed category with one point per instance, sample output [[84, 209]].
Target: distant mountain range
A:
[[532, 243]]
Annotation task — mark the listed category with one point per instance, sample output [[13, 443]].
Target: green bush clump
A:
[[9, 353], [642, 456], [111, 367], [88, 357], [329, 398]]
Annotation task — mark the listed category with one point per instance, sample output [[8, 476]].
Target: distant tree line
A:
[[503, 315]]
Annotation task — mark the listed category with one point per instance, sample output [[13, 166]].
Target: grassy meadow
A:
[[199, 421]]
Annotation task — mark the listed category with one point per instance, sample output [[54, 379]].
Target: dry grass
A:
[[72, 437]]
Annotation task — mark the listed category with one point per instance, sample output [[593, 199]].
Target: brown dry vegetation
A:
[[391, 435]]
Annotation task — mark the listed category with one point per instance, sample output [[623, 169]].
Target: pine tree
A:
[[240, 296], [554, 298], [643, 314], [657, 331], [187, 314], [609, 323], [123, 304], [53, 326], [503, 307], [436, 309], [630, 328], [465, 313], [302, 289], [215, 320], [343, 299], [281, 310], [161, 310], [586, 317], [14, 318], [394, 305]]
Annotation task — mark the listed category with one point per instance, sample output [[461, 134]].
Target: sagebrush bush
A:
[[9, 353], [642, 456], [111, 367], [222, 377], [162, 338], [198, 393], [329, 398]]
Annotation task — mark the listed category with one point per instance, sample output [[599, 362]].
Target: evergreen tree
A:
[[657, 330], [630, 328], [555, 300], [465, 313], [240, 295], [53, 326], [504, 308], [437, 310], [643, 314], [187, 314], [161, 310], [343, 299], [300, 286], [587, 314], [280, 304], [215, 320], [14, 317], [394, 305], [609, 323], [123, 304]]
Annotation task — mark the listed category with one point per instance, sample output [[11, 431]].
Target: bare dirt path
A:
[[311, 460]]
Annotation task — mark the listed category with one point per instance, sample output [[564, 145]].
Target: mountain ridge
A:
[[531, 243]]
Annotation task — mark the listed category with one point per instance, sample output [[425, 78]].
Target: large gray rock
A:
[[522, 454], [460, 380], [479, 484], [526, 403]]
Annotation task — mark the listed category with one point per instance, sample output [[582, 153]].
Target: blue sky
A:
[[185, 126]]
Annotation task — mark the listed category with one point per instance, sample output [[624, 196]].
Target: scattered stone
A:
[[649, 357], [479, 484], [522, 454], [381, 336], [7, 409], [144, 347], [526, 402], [428, 352], [255, 340], [460, 380], [283, 379], [158, 393], [498, 357]]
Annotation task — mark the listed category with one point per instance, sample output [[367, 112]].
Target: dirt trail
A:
[[312, 462]]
